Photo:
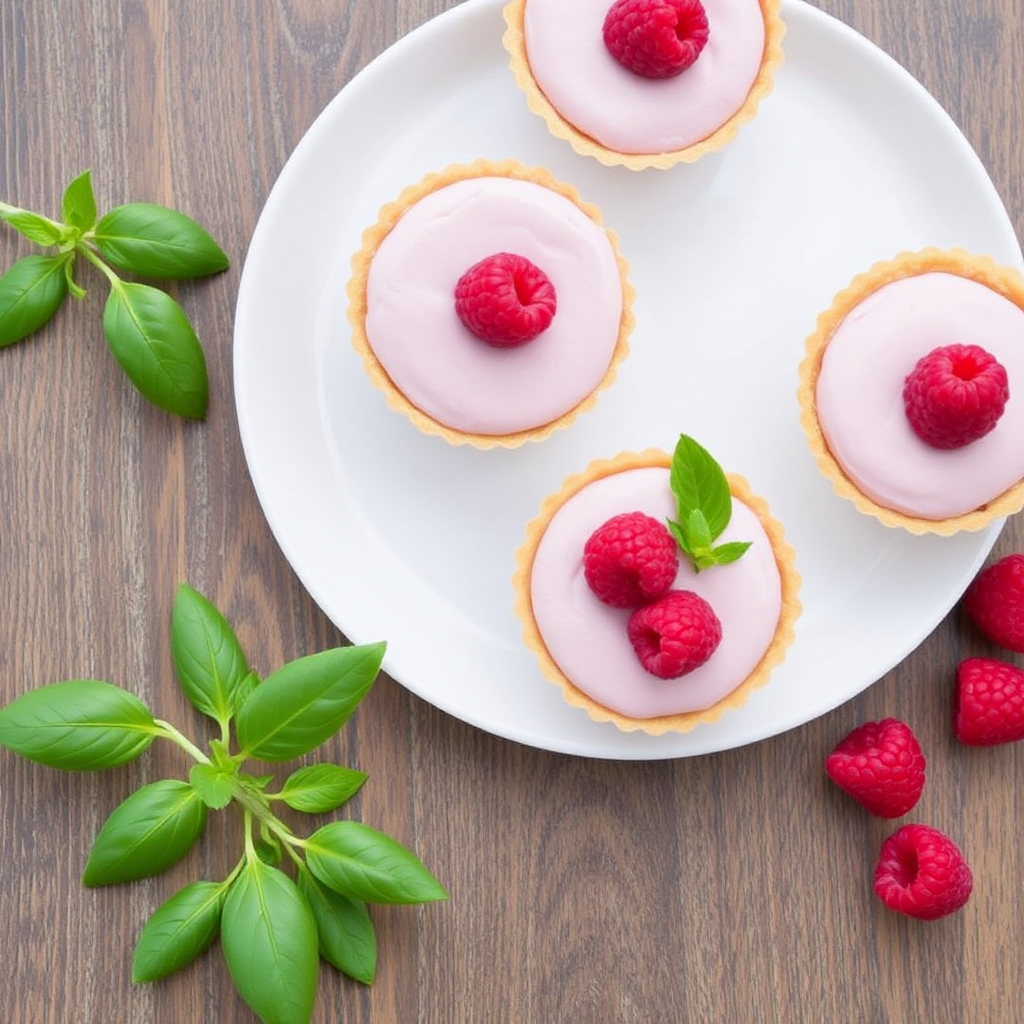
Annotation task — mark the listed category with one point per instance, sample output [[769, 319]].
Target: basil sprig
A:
[[147, 331], [274, 925], [703, 506]]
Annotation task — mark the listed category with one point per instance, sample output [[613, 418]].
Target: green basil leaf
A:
[[698, 530], [346, 933], [154, 343], [78, 207], [269, 939], [155, 241], [319, 788], [730, 552], [147, 833], [697, 481], [34, 226], [31, 292], [215, 787], [269, 850], [306, 701], [680, 535], [358, 861], [207, 656], [244, 688], [178, 931], [81, 725]]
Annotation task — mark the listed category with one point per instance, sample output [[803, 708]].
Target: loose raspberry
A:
[[955, 395], [922, 873], [630, 559], [881, 766], [505, 300], [675, 634], [994, 602], [656, 38], [988, 702]]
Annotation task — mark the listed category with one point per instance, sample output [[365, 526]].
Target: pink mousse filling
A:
[[628, 113], [436, 362], [588, 640], [859, 396]]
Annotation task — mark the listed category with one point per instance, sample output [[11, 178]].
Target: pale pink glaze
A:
[[628, 113], [436, 362], [859, 396], [588, 640]]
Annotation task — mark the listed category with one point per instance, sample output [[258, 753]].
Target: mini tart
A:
[[771, 657], [1003, 281], [514, 41], [358, 304]]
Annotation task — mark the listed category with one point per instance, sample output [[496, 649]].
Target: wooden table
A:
[[733, 887]]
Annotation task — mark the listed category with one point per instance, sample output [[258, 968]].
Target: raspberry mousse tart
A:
[[656, 591], [644, 83], [912, 391], [490, 304]]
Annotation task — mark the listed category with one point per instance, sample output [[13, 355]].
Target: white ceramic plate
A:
[[399, 536]]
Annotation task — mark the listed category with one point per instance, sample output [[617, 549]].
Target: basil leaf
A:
[[697, 481], [34, 226], [319, 788], [153, 341], [30, 293], [81, 725], [269, 939], [215, 787], [244, 688], [207, 656], [178, 931], [147, 833], [358, 861], [78, 207], [698, 530], [155, 241], [730, 552], [347, 937], [306, 701]]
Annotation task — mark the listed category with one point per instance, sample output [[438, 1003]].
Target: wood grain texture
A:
[[733, 887]]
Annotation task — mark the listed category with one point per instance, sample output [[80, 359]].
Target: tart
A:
[[418, 344], [560, 60], [858, 376], [586, 646]]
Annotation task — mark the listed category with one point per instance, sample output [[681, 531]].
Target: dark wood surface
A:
[[732, 887]]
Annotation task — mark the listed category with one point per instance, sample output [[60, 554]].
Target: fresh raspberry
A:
[[954, 395], [505, 300], [630, 559], [922, 873], [655, 38], [988, 702], [994, 602], [881, 766], [675, 634]]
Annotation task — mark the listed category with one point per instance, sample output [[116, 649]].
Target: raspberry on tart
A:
[[675, 634], [656, 38], [505, 300], [955, 395], [630, 559]]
